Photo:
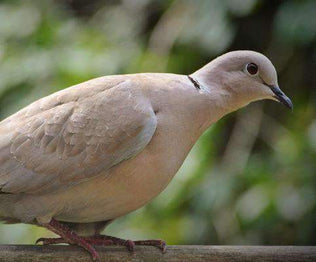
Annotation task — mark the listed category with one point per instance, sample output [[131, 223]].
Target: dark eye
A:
[[252, 68]]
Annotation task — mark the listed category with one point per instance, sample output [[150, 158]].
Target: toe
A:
[[163, 246], [130, 245], [95, 256], [40, 240]]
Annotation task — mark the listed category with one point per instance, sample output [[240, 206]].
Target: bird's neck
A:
[[199, 106], [218, 104], [219, 96]]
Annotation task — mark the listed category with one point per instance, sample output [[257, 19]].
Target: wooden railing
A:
[[28, 253]]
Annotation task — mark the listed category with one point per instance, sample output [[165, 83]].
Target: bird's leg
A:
[[67, 236]]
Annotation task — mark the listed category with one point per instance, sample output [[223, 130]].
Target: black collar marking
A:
[[195, 83]]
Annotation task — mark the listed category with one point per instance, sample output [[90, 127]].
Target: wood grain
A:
[[33, 253]]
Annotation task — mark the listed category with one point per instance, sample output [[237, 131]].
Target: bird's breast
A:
[[132, 183]]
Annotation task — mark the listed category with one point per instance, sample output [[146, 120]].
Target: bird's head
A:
[[246, 76]]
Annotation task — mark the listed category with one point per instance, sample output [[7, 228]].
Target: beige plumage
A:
[[101, 149]]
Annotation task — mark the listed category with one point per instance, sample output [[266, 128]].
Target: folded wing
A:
[[73, 135]]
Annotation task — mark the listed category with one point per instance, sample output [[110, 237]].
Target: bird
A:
[[76, 160]]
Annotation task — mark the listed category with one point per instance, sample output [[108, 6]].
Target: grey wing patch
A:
[[70, 143]]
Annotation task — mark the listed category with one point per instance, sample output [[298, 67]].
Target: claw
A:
[[163, 246], [39, 240], [50, 241], [130, 245], [155, 243]]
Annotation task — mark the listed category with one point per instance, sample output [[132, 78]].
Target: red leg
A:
[[67, 236], [103, 240]]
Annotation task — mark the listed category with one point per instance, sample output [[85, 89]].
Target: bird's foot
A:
[[161, 244], [67, 236], [103, 240]]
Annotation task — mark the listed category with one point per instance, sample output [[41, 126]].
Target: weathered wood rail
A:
[[33, 253]]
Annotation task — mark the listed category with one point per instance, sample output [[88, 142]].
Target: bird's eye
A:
[[252, 68]]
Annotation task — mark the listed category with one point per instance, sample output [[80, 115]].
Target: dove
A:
[[78, 159]]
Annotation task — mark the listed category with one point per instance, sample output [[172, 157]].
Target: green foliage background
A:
[[251, 178]]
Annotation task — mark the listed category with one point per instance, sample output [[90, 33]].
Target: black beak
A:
[[280, 96]]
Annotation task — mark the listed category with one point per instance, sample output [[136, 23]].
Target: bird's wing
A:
[[73, 135]]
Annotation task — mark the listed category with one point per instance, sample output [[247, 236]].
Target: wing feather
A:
[[67, 140]]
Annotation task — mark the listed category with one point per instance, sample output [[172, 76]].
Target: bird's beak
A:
[[281, 97]]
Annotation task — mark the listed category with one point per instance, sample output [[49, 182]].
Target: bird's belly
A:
[[117, 193], [123, 189]]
